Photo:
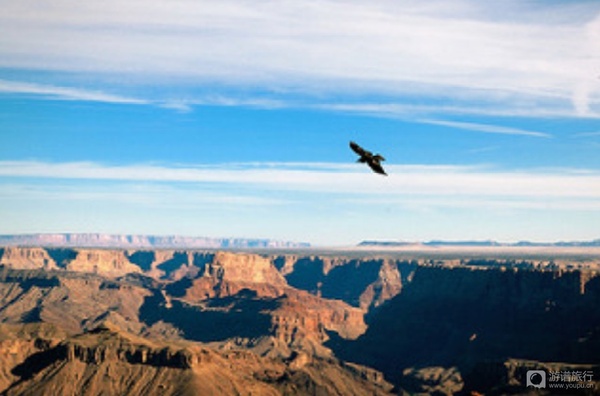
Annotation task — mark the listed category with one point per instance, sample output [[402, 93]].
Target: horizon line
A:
[[427, 242]]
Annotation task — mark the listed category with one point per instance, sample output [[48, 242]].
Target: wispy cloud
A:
[[56, 92], [455, 49], [186, 105], [64, 93], [411, 109], [405, 181], [325, 203], [148, 195], [485, 128]]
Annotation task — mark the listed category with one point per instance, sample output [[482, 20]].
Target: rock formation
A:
[[110, 361], [460, 316], [213, 322], [364, 283], [235, 302], [26, 258], [228, 273], [110, 263]]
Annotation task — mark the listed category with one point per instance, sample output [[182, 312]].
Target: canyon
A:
[[188, 321]]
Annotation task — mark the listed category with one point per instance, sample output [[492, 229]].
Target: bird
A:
[[374, 161]]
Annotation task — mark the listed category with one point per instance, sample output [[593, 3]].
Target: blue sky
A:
[[233, 118]]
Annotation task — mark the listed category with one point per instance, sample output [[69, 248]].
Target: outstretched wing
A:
[[376, 167], [359, 150]]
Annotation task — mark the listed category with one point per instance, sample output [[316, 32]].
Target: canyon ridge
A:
[[294, 321]]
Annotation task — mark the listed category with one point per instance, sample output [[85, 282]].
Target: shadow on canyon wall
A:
[[242, 315], [459, 317]]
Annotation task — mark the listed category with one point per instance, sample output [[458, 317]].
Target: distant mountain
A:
[[141, 241], [462, 243], [388, 243], [594, 243]]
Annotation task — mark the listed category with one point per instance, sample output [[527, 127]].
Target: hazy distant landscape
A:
[[141, 241], [186, 321]]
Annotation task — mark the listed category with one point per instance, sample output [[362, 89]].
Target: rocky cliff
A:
[[206, 297], [228, 273], [364, 283], [110, 263], [109, 361], [129, 330], [74, 302], [26, 258], [462, 316], [435, 325]]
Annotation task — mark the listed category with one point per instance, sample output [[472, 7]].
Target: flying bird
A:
[[374, 161]]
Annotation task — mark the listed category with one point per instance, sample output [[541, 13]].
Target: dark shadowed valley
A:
[[92, 321]]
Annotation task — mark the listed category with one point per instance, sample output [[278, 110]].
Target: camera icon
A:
[[536, 378]]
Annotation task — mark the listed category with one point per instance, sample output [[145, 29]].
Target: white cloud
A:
[[455, 49], [181, 105], [64, 93], [152, 196], [324, 203], [447, 185], [483, 107], [485, 128]]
